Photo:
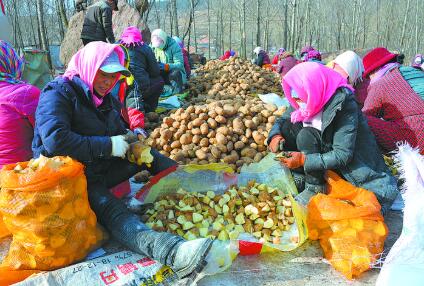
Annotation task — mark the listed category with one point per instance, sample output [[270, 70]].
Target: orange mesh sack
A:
[[45, 206], [3, 229], [349, 226]]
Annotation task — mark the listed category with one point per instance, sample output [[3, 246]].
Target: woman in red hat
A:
[[394, 105]]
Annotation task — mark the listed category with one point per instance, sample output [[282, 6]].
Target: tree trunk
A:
[[231, 29], [402, 37], [417, 8], [209, 31], [258, 23], [41, 28], [244, 30], [286, 26], [293, 26], [305, 31], [175, 16], [62, 13]]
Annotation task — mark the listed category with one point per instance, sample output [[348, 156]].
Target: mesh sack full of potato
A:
[[349, 226], [45, 206]]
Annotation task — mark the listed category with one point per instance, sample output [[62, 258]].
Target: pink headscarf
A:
[[315, 84], [131, 36], [87, 61]]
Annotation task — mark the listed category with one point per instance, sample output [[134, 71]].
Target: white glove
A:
[[119, 146]]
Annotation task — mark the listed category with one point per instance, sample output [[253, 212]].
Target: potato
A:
[[211, 134], [204, 142], [221, 139], [230, 159], [266, 113], [168, 121], [190, 109], [216, 153], [201, 155], [258, 137], [229, 110], [196, 139], [222, 148], [196, 131], [248, 152], [221, 119], [166, 135], [197, 122], [230, 146], [204, 129], [239, 145], [271, 119], [224, 130], [257, 157], [186, 139], [248, 133], [212, 123], [250, 124], [175, 144]]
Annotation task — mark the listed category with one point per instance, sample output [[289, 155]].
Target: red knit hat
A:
[[376, 58]]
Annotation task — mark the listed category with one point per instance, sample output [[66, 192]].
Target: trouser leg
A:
[[151, 96], [123, 225], [309, 141], [290, 131]]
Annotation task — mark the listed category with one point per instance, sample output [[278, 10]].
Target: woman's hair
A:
[[400, 58]]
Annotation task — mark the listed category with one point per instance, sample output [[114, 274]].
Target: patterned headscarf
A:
[[11, 64]]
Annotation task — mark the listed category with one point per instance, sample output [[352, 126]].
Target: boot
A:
[[190, 257], [310, 190]]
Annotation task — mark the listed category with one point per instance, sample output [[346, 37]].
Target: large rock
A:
[[126, 16]]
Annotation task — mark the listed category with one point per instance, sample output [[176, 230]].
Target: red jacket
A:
[[395, 112], [2, 7]]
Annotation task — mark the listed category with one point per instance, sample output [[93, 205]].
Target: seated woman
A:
[[350, 66], [310, 54], [78, 117], [170, 58], [18, 101], [418, 62], [145, 69], [394, 105], [186, 56], [325, 130], [261, 57], [277, 57], [287, 62]]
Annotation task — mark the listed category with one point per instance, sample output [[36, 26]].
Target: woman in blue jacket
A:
[[78, 117]]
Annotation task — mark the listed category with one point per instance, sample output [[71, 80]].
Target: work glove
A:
[[119, 146], [277, 144], [139, 153], [164, 67], [296, 160]]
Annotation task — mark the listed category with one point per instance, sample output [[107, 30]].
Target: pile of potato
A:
[[232, 78], [255, 209], [230, 131]]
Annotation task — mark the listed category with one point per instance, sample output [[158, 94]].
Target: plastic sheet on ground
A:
[[273, 98], [218, 178]]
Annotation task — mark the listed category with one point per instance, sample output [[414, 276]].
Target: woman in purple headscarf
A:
[[186, 56]]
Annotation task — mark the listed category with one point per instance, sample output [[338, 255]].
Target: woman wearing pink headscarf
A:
[[148, 81], [325, 130], [18, 101], [78, 117]]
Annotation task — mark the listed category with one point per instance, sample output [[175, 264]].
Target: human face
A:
[[104, 82]]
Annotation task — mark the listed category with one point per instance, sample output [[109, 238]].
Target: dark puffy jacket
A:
[[98, 23], [143, 65], [349, 148], [68, 123], [262, 59]]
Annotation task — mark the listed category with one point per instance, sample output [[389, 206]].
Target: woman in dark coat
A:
[[326, 131], [78, 117]]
